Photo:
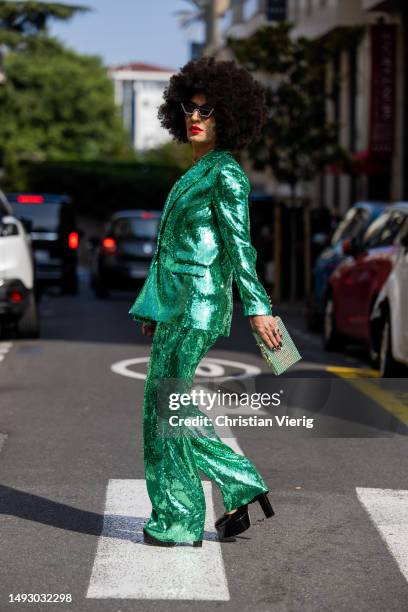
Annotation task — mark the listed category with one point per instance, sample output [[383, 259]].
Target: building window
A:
[[128, 108], [294, 10], [250, 8], [275, 10]]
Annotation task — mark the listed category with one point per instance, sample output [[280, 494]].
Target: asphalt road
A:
[[72, 498]]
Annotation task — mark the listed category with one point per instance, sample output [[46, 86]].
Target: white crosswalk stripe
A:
[[125, 567], [388, 509], [4, 349]]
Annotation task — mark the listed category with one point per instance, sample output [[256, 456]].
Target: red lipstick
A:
[[195, 129]]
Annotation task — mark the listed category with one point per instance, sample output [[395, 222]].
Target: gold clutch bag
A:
[[280, 359]]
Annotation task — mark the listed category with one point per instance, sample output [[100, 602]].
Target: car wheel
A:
[[375, 341], [331, 337], [374, 356], [29, 324], [387, 365]]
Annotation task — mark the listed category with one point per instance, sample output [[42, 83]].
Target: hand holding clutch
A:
[[266, 327], [279, 359]]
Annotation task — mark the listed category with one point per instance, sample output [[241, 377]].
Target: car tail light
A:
[[73, 240], [16, 297], [147, 215], [30, 199], [109, 245]]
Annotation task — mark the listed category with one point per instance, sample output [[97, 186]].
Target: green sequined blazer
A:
[[202, 245]]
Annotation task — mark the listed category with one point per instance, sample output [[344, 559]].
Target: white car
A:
[[18, 304], [389, 318]]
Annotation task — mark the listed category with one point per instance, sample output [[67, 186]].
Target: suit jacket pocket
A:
[[182, 267]]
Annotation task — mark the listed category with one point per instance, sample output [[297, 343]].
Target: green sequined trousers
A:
[[172, 463]]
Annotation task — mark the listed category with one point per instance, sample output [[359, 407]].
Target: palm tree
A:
[[206, 11], [197, 13]]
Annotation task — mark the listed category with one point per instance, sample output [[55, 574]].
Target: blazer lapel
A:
[[186, 181]]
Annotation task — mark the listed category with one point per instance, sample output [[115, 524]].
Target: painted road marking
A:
[[387, 509], [4, 349], [386, 399], [126, 568], [351, 373], [209, 367]]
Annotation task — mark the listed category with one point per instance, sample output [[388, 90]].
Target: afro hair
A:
[[238, 99]]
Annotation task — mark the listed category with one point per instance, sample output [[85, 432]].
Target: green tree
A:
[[169, 154], [58, 105], [22, 22], [298, 140], [55, 103]]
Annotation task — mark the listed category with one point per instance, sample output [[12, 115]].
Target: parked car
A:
[[356, 282], [18, 306], [55, 237], [389, 318], [352, 226], [121, 259]]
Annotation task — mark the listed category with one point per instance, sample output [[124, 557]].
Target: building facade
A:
[[139, 92], [369, 103], [244, 18]]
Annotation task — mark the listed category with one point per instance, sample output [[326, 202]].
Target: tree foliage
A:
[[19, 21], [55, 103], [298, 140]]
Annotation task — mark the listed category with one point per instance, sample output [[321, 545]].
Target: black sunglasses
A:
[[204, 111]]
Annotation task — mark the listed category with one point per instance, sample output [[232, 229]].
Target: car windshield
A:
[[384, 230], [135, 228], [352, 224], [45, 217]]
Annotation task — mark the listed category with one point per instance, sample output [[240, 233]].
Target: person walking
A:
[[185, 303]]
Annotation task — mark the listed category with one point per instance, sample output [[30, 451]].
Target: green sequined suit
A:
[[203, 244], [172, 464]]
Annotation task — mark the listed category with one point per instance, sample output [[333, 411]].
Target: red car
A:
[[354, 285]]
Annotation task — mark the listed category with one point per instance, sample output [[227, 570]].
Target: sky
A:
[[121, 31]]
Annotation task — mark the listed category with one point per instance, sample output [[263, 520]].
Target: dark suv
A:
[[121, 258], [55, 237]]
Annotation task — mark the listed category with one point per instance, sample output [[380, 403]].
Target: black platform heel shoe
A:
[[233, 524], [265, 504], [149, 539]]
